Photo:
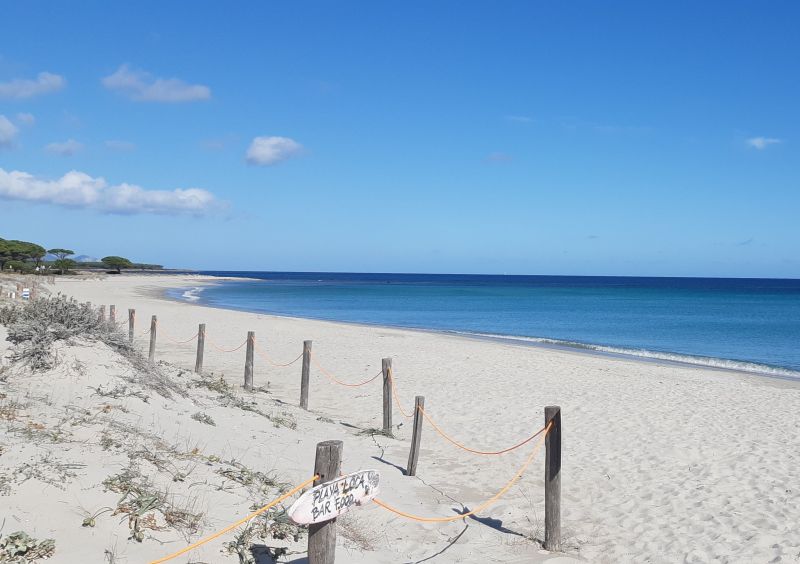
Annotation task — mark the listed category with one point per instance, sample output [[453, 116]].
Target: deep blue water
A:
[[749, 324]]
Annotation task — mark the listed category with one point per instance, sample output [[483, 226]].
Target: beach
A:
[[661, 462]]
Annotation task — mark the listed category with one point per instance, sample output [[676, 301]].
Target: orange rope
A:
[[459, 445], [396, 399], [266, 357], [220, 349], [177, 342], [482, 506], [333, 378], [209, 538]]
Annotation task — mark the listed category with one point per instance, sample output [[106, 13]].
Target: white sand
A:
[[661, 463]]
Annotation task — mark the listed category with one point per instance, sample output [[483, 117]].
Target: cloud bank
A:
[[79, 190], [762, 143], [121, 146], [266, 151], [141, 86], [26, 119], [44, 83], [8, 132], [65, 148]]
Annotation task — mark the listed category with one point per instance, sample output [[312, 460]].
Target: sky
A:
[[516, 137]]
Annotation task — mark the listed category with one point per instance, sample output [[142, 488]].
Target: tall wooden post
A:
[[386, 366], [322, 536], [416, 437], [131, 323], [152, 354], [552, 480], [304, 375], [201, 345], [112, 313], [101, 315], [248, 361]]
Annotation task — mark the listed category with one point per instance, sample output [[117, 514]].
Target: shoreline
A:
[[661, 462], [781, 374]]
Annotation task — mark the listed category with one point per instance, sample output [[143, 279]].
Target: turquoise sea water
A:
[[746, 324]]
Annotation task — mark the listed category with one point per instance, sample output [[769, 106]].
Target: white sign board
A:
[[26, 293], [332, 499]]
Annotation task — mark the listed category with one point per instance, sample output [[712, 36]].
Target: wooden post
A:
[[131, 322], [101, 315], [248, 361], [322, 536], [153, 323], [201, 345], [416, 436], [552, 480], [386, 366], [112, 313], [304, 375]]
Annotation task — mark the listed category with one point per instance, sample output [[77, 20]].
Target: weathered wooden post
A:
[[386, 367], [322, 536], [248, 361], [552, 480], [112, 313], [304, 375], [131, 323], [101, 315], [153, 323], [416, 436], [201, 345]]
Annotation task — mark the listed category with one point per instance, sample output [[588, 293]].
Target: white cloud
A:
[[121, 146], [26, 88], [79, 190], [65, 149], [8, 132], [25, 119], [143, 87], [264, 151], [762, 143]]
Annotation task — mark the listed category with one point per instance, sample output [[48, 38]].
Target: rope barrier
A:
[[266, 357], [255, 513], [482, 506], [220, 349], [333, 378], [396, 399], [459, 445], [176, 341]]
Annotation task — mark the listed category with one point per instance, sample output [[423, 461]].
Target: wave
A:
[[192, 294], [711, 362]]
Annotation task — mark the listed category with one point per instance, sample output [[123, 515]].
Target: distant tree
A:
[[117, 263], [64, 264], [62, 255], [19, 266], [22, 251]]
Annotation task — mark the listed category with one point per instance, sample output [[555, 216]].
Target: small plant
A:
[[91, 519], [20, 548], [204, 418], [258, 482], [374, 431]]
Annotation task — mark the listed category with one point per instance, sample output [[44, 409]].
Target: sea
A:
[[750, 325]]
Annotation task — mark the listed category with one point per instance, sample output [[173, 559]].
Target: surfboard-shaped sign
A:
[[332, 499]]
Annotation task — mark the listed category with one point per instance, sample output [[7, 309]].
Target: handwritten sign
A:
[[332, 499]]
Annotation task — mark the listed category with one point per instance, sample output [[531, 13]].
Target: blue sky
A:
[[639, 138]]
